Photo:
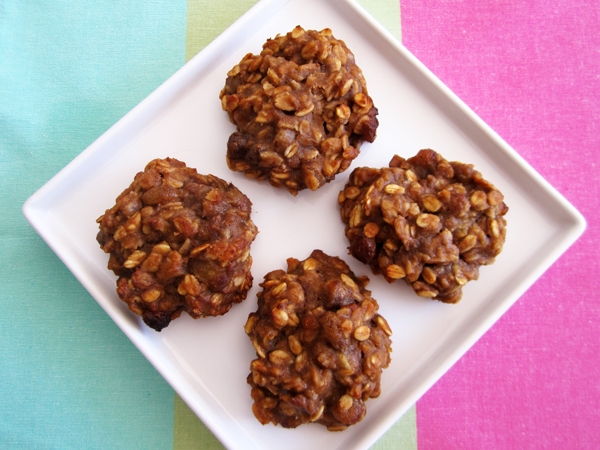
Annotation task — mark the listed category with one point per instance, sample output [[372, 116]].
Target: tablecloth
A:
[[70, 69]]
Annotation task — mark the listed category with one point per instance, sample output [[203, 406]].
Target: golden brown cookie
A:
[[179, 241], [321, 345], [428, 221], [301, 109]]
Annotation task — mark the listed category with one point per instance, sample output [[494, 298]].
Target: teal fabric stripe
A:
[[69, 379]]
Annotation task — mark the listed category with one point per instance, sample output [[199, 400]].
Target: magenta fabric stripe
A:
[[531, 70]]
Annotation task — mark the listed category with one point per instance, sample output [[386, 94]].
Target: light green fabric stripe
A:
[[191, 434], [206, 20], [387, 13], [402, 435]]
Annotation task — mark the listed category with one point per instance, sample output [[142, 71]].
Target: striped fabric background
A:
[[69, 69]]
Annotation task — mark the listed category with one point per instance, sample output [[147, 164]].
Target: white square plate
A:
[[207, 360]]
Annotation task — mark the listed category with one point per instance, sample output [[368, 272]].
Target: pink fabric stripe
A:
[[531, 70]]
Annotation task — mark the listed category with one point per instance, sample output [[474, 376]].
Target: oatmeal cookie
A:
[[301, 109], [179, 241], [428, 221], [321, 345]]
